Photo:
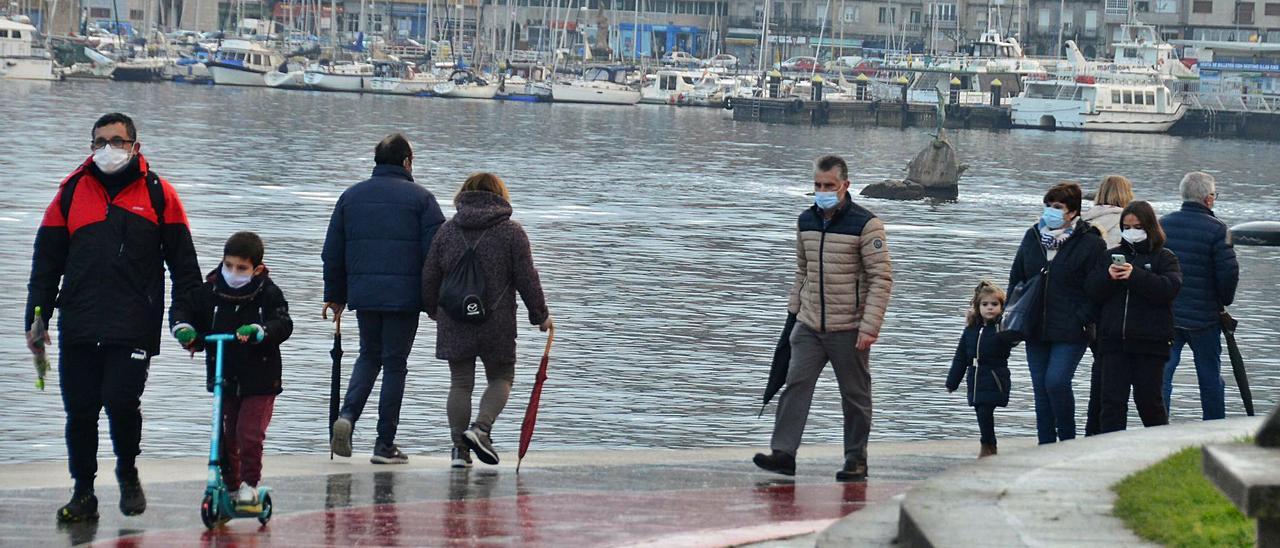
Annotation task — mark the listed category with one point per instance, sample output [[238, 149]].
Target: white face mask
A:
[[1134, 235], [235, 281], [110, 159]]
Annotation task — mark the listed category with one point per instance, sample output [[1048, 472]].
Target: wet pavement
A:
[[656, 498]]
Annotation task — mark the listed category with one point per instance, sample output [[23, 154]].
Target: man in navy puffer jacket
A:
[[378, 239], [1209, 277]]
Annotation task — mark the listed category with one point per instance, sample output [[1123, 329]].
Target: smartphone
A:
[[1118, 260]]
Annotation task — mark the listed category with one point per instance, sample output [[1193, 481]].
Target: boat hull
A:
[[353, 83], [1071, 115], [562, 93], [226, 75], [283, 80], [148, 73], [397, 86], [27, 69], [453, 91]]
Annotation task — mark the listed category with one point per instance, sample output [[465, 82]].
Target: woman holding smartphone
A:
[[1065, 250], [1135, 327]]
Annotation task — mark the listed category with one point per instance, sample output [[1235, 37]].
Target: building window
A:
[[1244, 14], [1042, 22], [1166, 6], [135, 15], [1090, 20], [99, 12], [915, 17], [888, 15], [942, 12], [759, 12], [1068, 20], [1118, 7], [850, 14], [797, 11], [1272, 9], [1202, 6]]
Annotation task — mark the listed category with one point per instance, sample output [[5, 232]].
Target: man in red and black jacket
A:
[[107, 235]]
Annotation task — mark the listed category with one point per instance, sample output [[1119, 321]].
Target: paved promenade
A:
[[663, 498]]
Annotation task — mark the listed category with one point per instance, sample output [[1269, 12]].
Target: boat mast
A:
[[764, 34]]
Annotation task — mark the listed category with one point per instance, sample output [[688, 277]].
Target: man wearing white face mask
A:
[[112, 227], [842, 284]]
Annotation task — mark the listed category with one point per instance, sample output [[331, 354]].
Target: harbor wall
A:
[[1196, 123]]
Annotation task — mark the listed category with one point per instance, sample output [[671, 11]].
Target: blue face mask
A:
[[826, 200], [1052, 218]]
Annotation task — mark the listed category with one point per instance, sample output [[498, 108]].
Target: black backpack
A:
[[462, 293]]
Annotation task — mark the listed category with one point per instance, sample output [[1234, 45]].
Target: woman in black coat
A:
[[1065, 251], [1135, 326]]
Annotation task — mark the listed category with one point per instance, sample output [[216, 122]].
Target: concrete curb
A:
[[1055, 495]]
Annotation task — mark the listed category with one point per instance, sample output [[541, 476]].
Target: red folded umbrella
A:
[[531, 413]]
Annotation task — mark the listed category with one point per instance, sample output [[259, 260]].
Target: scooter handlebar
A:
[[220, 337]]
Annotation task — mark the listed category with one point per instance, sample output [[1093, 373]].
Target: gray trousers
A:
[[810, 352], [500, 375]]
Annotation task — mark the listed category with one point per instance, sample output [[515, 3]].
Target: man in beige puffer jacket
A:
[[841, 292]]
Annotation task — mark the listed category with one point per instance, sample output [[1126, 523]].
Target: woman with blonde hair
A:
[[1114, 194], [482, 234]]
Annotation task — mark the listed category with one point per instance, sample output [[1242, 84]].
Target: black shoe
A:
[[477, 438], [852, 471], [460, 458], [83, 507], [388, 454], [133, 501], [778, 462]]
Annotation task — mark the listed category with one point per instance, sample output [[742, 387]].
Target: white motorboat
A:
[[598, 85], [242, 63], [18, 61], [670, 86], [341, 77], [465, 84], [1113, 102]]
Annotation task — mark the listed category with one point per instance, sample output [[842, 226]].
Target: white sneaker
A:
[[247, 495]]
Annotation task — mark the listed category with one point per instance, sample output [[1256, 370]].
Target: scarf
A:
[[1051, 239]]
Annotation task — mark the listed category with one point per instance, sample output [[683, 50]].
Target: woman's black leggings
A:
[[987, 423]]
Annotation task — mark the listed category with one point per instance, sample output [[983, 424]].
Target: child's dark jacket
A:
[[251, 368], [983, 358]]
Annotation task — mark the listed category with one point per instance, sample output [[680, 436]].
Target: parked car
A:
[[798, 64], [854, 65], [681, 58], [724, 60]]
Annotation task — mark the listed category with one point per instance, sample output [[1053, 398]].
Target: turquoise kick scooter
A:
[[219, 505]]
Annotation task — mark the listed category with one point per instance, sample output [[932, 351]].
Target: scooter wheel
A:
[[265, 515], [209, 512]]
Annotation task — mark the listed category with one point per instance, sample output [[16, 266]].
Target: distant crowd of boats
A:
[[1137, 91]]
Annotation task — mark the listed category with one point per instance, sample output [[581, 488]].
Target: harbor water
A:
[[664, 237]]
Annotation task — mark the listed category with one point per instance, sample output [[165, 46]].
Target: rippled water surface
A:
[[664, 238]]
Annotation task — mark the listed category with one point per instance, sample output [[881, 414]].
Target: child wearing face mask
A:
[[238, 297], [1135, 325], [982, 357]]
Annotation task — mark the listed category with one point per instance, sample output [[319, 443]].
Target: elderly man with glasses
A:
[[1210, 274], [105, 239]]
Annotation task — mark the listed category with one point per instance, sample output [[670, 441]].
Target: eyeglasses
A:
[[115, 142]]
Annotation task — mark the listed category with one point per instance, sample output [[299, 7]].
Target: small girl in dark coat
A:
[[239, 297], [1135, 326], [983, 357], [483, 222]]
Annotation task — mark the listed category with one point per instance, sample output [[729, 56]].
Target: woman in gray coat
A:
[[483, 223]]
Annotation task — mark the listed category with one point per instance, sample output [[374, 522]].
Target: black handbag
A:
[[1023, 310]]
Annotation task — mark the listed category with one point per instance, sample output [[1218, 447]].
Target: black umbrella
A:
[[335, 376], [781, 363], [1237, 362]]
